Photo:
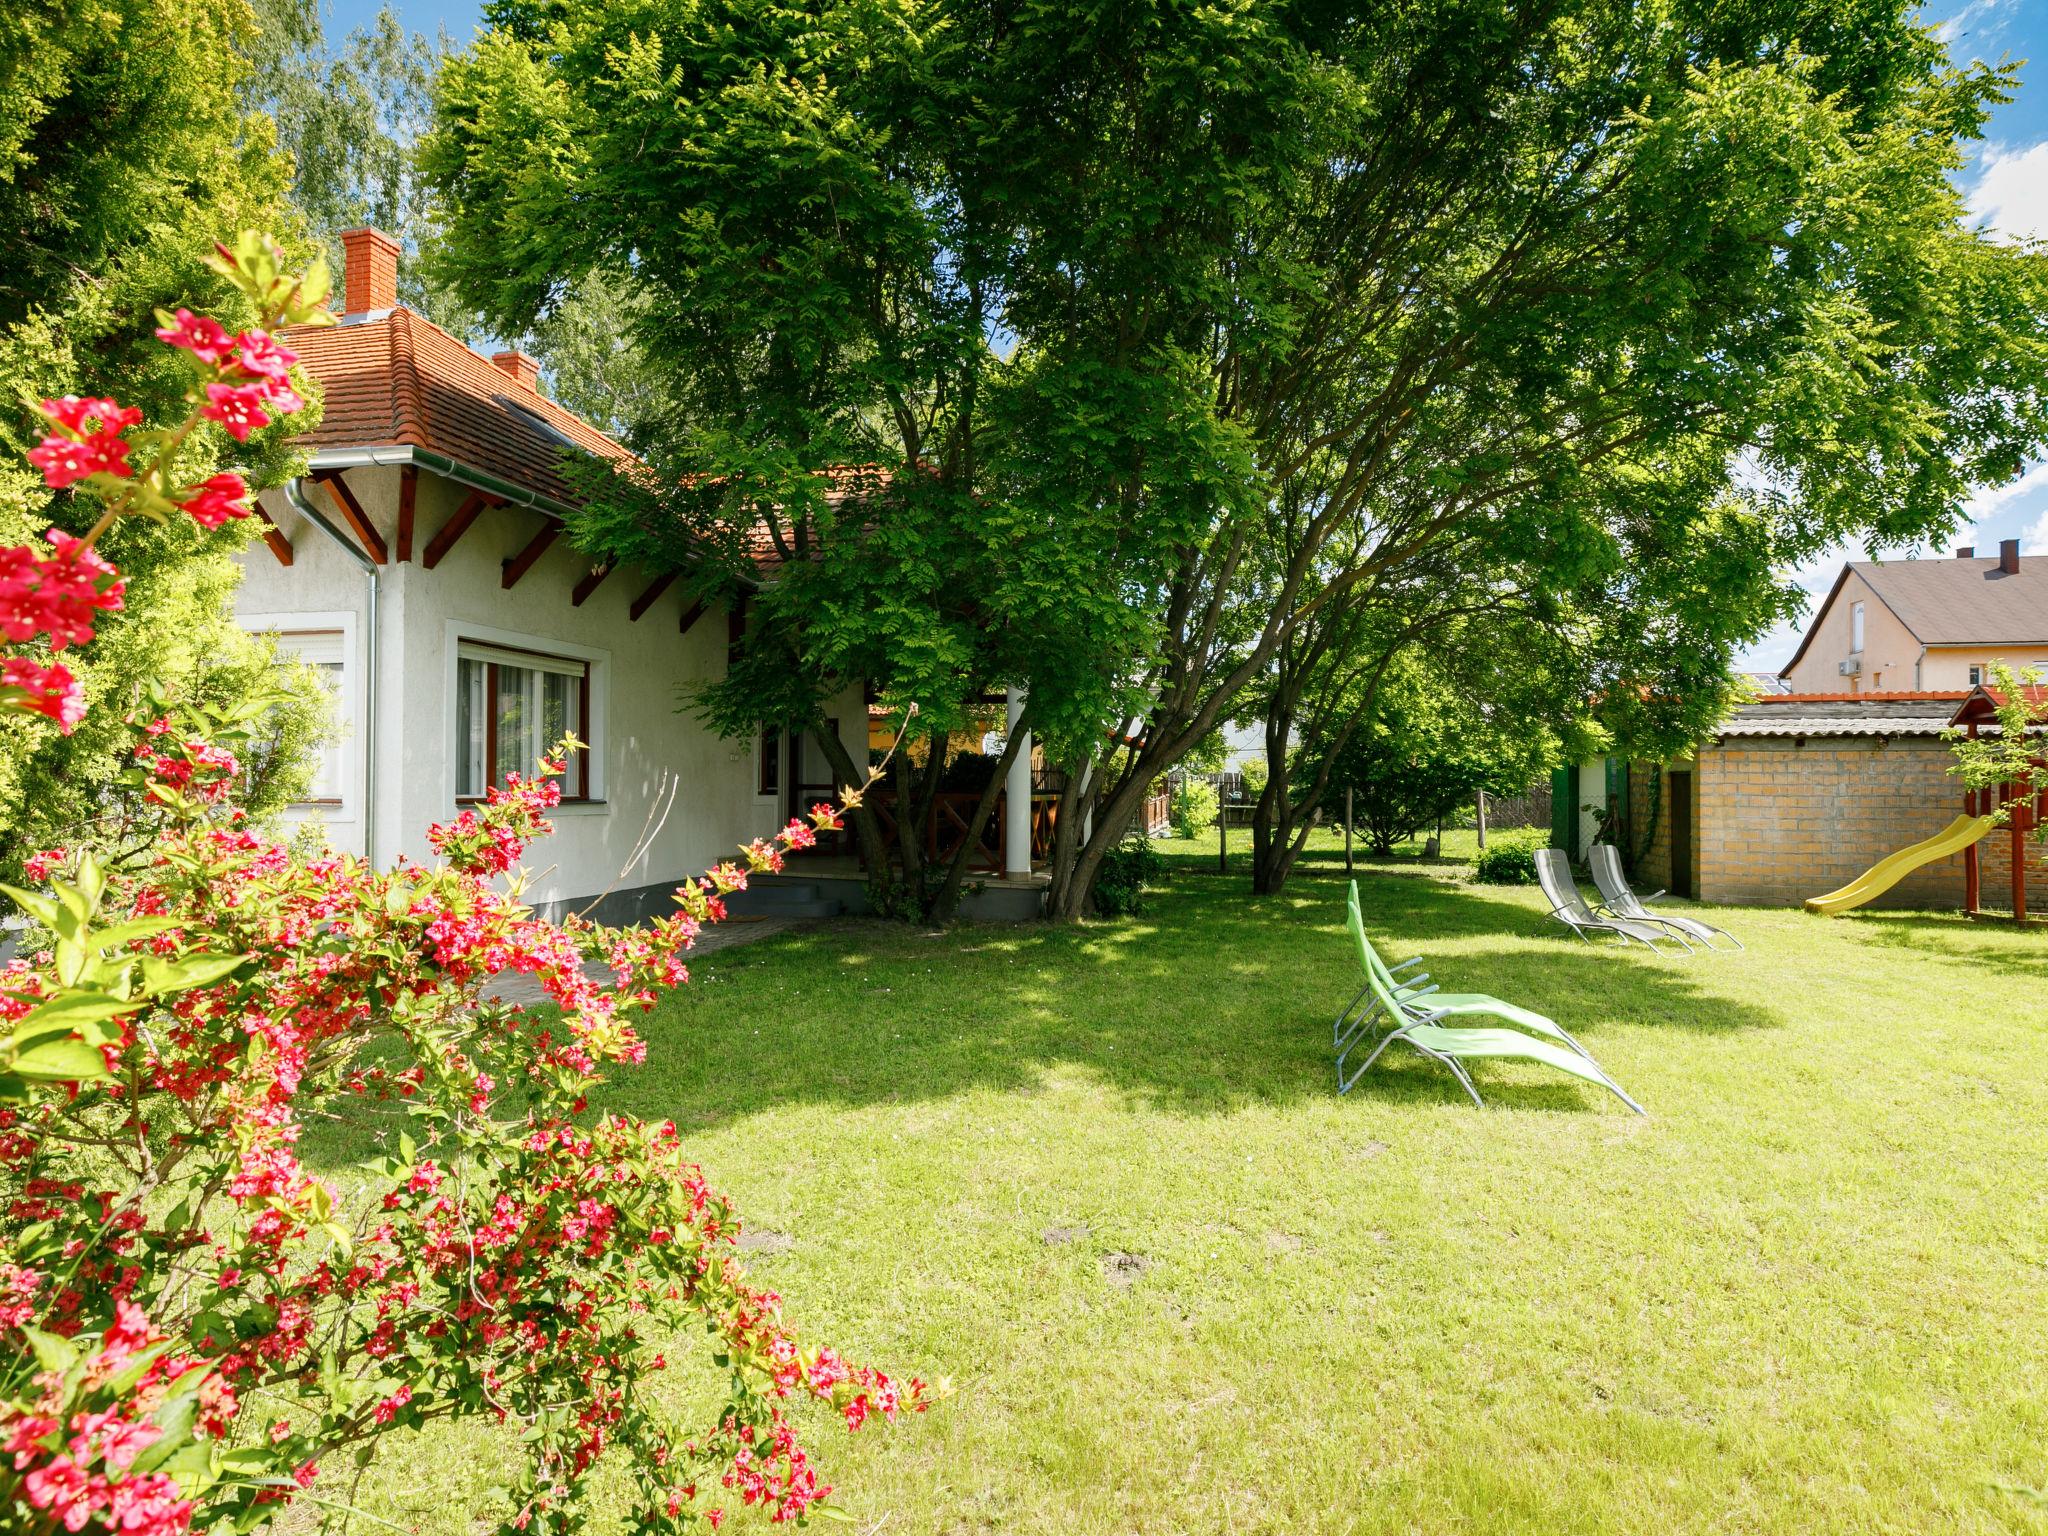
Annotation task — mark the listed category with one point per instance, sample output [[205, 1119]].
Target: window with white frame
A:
[[1856, 629], [510, 707], [322, 652], [1976, 676]]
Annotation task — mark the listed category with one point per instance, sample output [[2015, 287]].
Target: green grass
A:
[[1805, 1296]]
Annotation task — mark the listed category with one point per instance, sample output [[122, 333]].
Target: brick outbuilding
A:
[[1797, 794]]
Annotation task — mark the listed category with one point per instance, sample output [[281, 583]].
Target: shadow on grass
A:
[[2006, 949], [1212, 1001]]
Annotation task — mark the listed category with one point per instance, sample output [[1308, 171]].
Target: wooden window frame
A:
[[576, 777]]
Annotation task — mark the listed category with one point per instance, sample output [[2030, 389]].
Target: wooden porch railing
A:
[[946, 828]]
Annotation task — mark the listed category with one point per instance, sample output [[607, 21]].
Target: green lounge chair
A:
[[1416, 1022], [1448, 1004]]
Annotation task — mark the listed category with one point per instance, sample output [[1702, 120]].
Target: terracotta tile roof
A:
[[399, 380]]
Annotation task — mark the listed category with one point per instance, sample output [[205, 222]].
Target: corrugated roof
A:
[[1822, 714], [399, 380]]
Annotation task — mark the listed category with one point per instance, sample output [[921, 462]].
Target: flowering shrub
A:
[[191, 1324]]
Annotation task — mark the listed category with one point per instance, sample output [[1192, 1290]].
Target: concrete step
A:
[[769, 897]]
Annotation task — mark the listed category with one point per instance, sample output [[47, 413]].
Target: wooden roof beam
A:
[[353, 514], [408, 492], [280, 546], [589, 584], [646, 599], [517, 567], [471, 509]]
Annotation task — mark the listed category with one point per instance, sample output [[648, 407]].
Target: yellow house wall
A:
[[1949, 666], [1889, 649]]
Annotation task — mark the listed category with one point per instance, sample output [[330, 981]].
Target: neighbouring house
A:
[[1795, 795], [1898, 625], [419, 563]]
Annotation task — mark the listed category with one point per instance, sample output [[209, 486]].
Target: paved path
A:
[[734, 931]]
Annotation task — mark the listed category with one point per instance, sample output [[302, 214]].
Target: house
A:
[[1902, 625], [1795, 795], [419, 564]]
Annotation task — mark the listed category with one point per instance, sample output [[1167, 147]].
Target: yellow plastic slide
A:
[[1889, 871]]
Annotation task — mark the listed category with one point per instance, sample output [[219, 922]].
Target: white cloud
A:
[[1993, 498], [2011, 194], [1980, 18]]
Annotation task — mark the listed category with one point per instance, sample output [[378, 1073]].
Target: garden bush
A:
[[1126, 868], [1192, 809], [192, 1325], [1507, 861]]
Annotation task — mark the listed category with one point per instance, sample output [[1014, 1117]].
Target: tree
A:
[[1109, 281], [1424, 753], [122, 154]]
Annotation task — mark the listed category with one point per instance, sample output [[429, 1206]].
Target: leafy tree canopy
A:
[[1643, 301], [124, 154]]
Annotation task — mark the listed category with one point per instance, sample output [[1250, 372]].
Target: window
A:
[[768, 754], [321, 651], [1856, 629], [1976, 676], [510, 707]]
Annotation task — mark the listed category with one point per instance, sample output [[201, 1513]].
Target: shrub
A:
[[1507, 862], [1120, 882], [191, 1324], [1192, 810]]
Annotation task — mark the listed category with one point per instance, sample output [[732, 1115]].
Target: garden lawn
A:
[[1101, 1179]]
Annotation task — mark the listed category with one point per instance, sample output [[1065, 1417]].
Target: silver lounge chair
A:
[[1554, 874], [1617, 900]]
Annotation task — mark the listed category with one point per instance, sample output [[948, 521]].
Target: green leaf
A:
[[69, 1012], [160, 976], [53, 1352], [64, 1060]]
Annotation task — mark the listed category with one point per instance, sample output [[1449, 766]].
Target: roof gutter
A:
[[295, 493], [440, 464]]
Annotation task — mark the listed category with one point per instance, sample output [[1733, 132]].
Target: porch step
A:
[[769, 896]]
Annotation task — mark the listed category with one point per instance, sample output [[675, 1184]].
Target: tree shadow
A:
[[1213, 1001], [2006, 949]]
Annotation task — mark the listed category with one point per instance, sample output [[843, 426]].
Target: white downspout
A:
[[295, 493]]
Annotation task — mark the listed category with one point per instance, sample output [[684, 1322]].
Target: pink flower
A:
[[50, 690], [64, 460], [237, 407], [201, 335], [387, 1410], [64, 1491], [216, 500], [262, 356]]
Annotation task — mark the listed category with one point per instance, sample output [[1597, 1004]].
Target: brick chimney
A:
[[519, 366], [1966, 552], [2009, 556], [369, 271]]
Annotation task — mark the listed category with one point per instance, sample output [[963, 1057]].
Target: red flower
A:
[[217, 499], [64, 460], [73, 411], [201, 335], [50, 690], [57, 596], [237, 407], [262, 357]]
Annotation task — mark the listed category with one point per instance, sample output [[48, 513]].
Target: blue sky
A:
[[2006, 182]]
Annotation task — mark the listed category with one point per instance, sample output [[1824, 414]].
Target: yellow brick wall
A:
[[1780, 822]]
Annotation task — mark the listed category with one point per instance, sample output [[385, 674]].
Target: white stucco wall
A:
[[645, 744]]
